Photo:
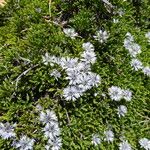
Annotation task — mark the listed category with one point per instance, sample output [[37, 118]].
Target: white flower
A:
[[54, 60], [109, 136], [70, 32], [47, 147], [127, 95], [73, 76], [39, 107], [95, 94], [122, 110], [56, 143], [147, 35], [24, 143], [69, 63], [94, 79], [7, 130], [50, 59], [134, 49], [129, 37], [136, 64], [45, 59], [88, 47], [121, 12], [72, 93], [115, 93], [115, 20], [88, 57], [146, 71], [51, 130], [131, 46], [101, 36], [124, 146], [56, 74], [48, 117], [39, 10], [83, 66], [145, 143], [96, 139], [127, 43], [84, 81], [128, 40]]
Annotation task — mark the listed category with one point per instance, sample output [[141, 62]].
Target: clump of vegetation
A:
[[74, 75]]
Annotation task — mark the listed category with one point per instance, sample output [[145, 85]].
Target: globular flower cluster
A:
[[122, 110], [96, 139], [51, 130], [136, 64], [101, 36], [7, 130], [70, 32], [24, 143], [78, 71], [108, 136], [116, 94], [145, 143], [56, 74], [124, 145], [135, 49], [146, 71]]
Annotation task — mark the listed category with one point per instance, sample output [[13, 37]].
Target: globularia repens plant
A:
[[75, 75]]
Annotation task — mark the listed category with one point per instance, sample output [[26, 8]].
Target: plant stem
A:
[[50, 2], [23, 74]]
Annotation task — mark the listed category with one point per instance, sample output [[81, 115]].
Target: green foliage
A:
[[27, 32]]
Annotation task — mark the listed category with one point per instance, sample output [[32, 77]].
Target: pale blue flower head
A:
[[51, 130], [101, 36], [127, 95], [88, 57], [72, 93], [136, 64], [145, 143], [25, 143], [122, 110], [48, 117], [56, 143], [146, 71], [56, 74], [70, 32], [115, 93], [88, 46], [109, 136], [96, 139], [124, 145], [7, 130]]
